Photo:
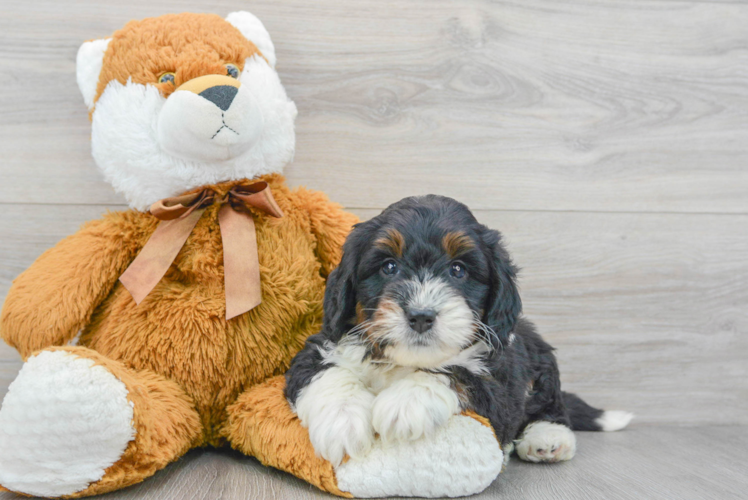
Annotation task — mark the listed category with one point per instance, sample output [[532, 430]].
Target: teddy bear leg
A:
[[462, 458], [261, 424], [75, 423]]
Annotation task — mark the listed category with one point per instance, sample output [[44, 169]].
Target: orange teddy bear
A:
[[191, 123]]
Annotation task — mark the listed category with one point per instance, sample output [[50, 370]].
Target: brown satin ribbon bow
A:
[[179, 215]]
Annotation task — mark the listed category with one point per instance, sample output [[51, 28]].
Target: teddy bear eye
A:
[[166, 78], [232, 71]]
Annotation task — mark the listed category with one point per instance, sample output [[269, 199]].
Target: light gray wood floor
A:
[[608, 140], [640, 463]]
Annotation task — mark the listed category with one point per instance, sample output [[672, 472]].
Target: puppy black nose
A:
[[421, 320], [220, 95]]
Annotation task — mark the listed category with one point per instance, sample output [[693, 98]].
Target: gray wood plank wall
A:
[[608, 140]]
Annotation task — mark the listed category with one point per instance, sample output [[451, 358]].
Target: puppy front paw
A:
[[546, 442], [414, 407], [341, 430], [336, 409]]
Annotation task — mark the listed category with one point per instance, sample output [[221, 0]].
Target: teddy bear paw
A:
[[461, 458], [62, 423]]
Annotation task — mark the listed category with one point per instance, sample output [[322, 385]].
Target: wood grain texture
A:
[[648, 311], [606, 139], [629, 105], [639, 463]]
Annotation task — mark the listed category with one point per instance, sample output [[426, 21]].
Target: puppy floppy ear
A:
[[503, 304], [340, 300], [340, 293]]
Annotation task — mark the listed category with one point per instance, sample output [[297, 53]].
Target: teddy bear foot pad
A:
[[63, 422], [462, 458]]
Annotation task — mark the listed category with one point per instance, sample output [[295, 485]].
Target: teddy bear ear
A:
[[254, 31], [88, 66]]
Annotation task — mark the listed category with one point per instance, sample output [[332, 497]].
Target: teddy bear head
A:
[[185, 100]]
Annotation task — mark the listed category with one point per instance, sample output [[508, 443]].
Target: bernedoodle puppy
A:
[[422, 321]]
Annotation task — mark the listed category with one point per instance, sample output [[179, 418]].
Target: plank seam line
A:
[[641, 212], [539, 210]]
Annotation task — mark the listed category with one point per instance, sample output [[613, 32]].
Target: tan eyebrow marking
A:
[[456, 243], [392, 241]]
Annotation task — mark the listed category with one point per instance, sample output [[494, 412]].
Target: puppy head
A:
[[422, 282]]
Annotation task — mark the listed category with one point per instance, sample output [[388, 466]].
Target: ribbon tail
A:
[[157, 255], [241, 264]]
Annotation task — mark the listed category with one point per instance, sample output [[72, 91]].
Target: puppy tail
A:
[[586, 418]]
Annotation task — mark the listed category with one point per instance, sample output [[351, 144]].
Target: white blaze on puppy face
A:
[[453, 329]]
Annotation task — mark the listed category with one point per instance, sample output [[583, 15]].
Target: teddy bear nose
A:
[[218, 89], [220, 95]]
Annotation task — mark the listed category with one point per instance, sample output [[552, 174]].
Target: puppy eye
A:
[[166, 78], [458, 270], [232, 71], [389, 267]]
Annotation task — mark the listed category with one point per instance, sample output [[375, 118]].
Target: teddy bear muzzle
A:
[[210, 118]]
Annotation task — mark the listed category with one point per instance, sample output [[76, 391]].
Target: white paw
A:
[[414, 407], [546, 442], [340, 430], [336, 409], [508, 449], [62, 423]]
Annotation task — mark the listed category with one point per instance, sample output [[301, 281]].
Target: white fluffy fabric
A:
[[193, 128], [613, 420], [88, 66], [62, 423], [462, 458], [546, 442], [126, 148], [254, 31]]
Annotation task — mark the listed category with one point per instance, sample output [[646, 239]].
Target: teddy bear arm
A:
[[330, 225], [50, 302]]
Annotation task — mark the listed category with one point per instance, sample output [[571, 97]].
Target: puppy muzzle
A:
[[422, 322], [209, 118]]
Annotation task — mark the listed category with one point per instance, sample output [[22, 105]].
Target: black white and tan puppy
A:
[[422, 320]]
